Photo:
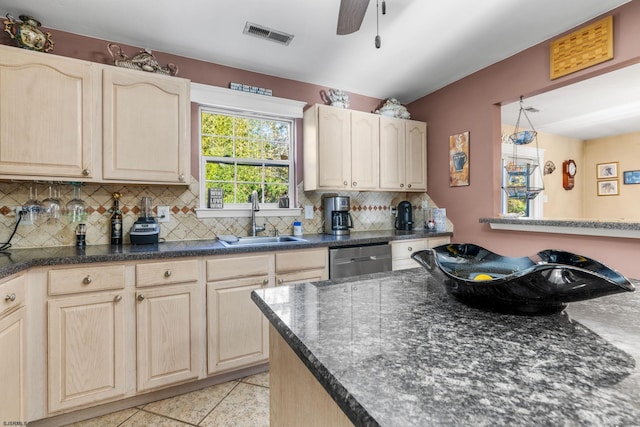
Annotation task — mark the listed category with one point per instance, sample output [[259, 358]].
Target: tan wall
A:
[[624, 149]]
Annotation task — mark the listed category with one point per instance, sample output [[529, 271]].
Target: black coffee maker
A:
[[404, 216]]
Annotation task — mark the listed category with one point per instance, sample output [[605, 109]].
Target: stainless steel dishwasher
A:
[[356, 260]]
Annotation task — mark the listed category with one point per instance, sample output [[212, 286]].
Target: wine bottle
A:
[[116, 221]]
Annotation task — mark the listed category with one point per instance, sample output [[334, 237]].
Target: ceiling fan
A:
[[351, 15]]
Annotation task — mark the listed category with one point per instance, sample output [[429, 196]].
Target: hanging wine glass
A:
[[33, 206], [52, 205], [76, 208]]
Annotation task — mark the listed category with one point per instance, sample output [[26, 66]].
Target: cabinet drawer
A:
[[404, 248], [12, 294], [86, 279], [221, 268], [307, 259], [437, 241], [166, 272]]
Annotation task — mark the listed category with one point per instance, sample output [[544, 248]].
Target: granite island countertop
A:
[[15, 260], [394, 349]]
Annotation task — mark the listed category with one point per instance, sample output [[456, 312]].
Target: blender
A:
[[145, 230]]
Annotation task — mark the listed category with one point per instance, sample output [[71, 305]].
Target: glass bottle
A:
[[116, 221]]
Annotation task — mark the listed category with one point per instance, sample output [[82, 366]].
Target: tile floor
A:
[[244, 402]]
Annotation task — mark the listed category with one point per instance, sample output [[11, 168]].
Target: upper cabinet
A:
[[340, 149], [346, 150], [71, 120], [403, 154], [146, 127], [47, 115]]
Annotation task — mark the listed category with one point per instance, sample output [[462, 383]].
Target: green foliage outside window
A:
[[242, 154]]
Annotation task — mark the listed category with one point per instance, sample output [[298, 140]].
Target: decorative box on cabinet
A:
[[341, 149], [48, 115], [13, 350]]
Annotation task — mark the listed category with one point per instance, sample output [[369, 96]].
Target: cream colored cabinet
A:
[[86, 336], [48, 115], [401, 251], [237, 332], [168, 323], [307, 265], [341, 149], [146, 127], [13, 350], [403, 154]]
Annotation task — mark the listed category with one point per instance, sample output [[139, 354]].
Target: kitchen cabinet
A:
[[403, 154], [13, 350], [307, 265], [237, 331], [401, 251], [341, 149], [86, 335], [168, 323], [146, 127], [48, 116]]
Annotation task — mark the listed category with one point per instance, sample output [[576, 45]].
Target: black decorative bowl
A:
[[539, 284]]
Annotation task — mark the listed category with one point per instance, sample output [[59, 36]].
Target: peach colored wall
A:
[[624, 149], [472, 104]]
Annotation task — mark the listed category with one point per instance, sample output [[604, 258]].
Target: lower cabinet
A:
[[401, 251], [13, 351]]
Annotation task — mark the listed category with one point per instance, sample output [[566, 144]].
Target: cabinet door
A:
[[146, 127], [86, 337], [334, 153], [46, 121], [416, 155], [365, 151], [238, 333], [13, 353], [392, 154], [401, 251], [167, 326]]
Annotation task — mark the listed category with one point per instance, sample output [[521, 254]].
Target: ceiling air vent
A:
[[267, 33]]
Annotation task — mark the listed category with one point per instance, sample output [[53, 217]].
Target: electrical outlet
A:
[[308, 212], [164, 214], [425, 205], [393, 211], [26, 219]]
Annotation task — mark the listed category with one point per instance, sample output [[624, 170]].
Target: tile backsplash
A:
[[370, 211]]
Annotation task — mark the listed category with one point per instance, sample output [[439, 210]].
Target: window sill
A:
[[246, 213]]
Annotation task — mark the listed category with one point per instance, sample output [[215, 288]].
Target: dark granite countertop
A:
[[16, 260], [394, 349]]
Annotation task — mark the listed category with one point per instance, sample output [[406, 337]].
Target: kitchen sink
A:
[[261, 240]]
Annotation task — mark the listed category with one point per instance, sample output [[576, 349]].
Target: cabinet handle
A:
[[409, 248], [181, 177], [355, 184], [345, 183], [280, 281], [86, 172], [167, 273], [401, 185], [409, 185], [10, 298], [140, 297], [265, 282], [87, 280], [117, 298]]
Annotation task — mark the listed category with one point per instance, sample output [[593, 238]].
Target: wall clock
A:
[[568, 174]]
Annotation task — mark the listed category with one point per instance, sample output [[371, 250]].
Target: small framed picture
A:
[[608, 187], [631, 177], [216, 197], [607, 170]]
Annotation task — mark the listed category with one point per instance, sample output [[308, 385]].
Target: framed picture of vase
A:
[[459, 159]]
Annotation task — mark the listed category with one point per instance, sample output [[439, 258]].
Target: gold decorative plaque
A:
[[583, 48]]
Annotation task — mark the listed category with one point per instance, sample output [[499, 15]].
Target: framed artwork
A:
[[608, 187], [607, 170], [459, 159], [631, 177]]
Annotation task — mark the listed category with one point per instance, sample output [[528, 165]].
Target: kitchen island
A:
[[394, 349]]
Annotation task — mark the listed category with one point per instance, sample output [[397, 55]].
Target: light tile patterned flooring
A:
[[244, 402]]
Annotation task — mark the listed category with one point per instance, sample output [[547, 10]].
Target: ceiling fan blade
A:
[[351, 15]]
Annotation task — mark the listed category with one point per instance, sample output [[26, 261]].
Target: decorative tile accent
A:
[[370, 211]]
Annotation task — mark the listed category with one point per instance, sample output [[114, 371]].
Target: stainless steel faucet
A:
[[255, 229]]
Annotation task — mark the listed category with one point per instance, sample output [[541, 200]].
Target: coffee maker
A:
[[337, 219], [404, 216]]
